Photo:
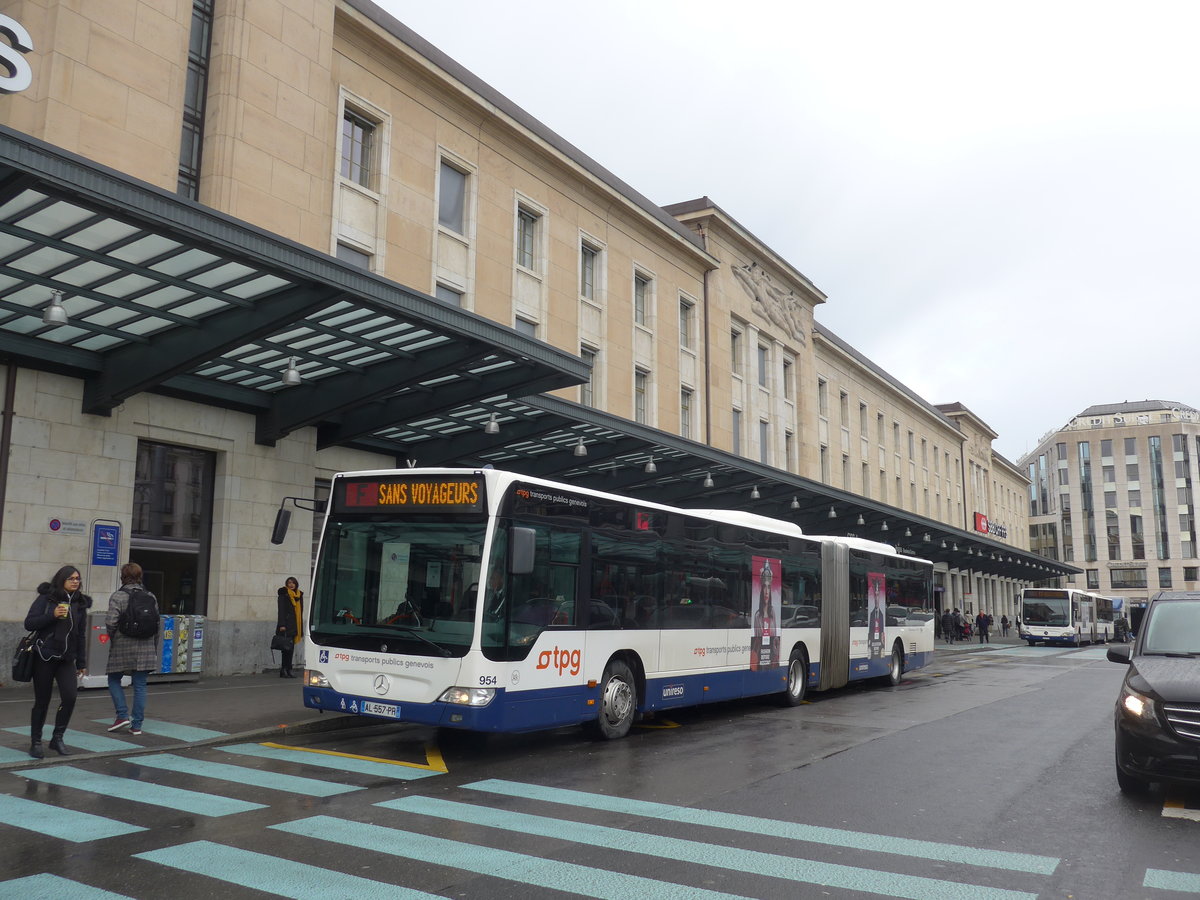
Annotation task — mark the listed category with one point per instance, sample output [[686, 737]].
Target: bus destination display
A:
[[414, 494]]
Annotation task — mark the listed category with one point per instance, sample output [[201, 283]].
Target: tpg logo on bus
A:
[[560, 660]]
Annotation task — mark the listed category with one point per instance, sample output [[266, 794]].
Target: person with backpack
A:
[[132, 626], [59, 618]]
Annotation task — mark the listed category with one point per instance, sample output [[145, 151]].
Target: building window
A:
[[641, 385], [587, 395], [1093, 579], [845, 471], [737, 432], [1190, 573], [641, 298], [448, 294], [824, 464], [358, 148], [685, 413], [789, 451], [527, 238], [687, 324], [764, 442], [354, 256], [866, 480], [526, 327], [588, 258], [789, 385], [880, 429], [844, 408], [1125, 579], [764, 366], [1164, 578], [823, 398], [194, 99], [863, 428], [735, 351], [452, 198]]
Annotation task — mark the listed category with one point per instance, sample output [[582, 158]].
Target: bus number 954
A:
[[486, 680]]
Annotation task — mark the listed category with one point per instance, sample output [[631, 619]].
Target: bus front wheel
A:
[[618, 702], [797, 678]]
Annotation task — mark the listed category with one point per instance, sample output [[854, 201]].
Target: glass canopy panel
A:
[[125, 286], [55, 218], [185, 263], [145, 249], [42, 260], [104, 233]]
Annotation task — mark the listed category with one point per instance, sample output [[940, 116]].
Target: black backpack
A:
[[140, 619]]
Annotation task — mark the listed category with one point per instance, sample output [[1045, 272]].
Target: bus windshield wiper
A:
[[420, 637]]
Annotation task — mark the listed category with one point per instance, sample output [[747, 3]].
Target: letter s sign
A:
[[20, 75]]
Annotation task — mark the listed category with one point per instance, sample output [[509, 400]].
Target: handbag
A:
[[281, 642], [22, 663]]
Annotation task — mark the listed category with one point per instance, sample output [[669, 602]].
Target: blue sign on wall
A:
[[106, 544]]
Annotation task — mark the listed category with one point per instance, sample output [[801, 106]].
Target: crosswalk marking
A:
[[140, 791], [51, 887], [275, 781], [433, 757], [1000, 859], [378, 768], [889, 884], [9, 755], [184, 733], [85, 740], [274, 876], [1165, 880], [519, 867], [68, 824]]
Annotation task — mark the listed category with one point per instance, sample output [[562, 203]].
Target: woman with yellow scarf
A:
[[289, 623]]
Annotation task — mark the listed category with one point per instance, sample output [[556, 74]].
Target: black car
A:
[[1158, 710]]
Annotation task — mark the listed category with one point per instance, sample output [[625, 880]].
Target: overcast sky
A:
[[989, 195]]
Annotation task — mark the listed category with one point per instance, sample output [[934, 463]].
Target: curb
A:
[[315, 726]]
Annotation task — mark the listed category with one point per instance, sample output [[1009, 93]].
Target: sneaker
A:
[[118, 724], [135, 731]]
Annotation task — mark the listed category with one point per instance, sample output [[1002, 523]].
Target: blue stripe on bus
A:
[[519, 867], [270, 874], [139, 791], [1165, 880], [890, 884], [68, 824], [835, 837], [274, 781], [51, 887]]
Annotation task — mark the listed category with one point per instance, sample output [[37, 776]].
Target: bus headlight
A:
[[463, 696], [1136, 704], [313, 678]]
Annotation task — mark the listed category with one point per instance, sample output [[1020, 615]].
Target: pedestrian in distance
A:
[[959, 624], [1004, 626], [59, 617], [132, 626], [982, 624], [288, 624], [948, 626]]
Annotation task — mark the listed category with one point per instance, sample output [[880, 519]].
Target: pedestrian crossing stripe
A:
[[140, 791], [836, 837], [68, 824], [1165, 880], [52, 887], [275, 781], [433, 757], [736, 859], [511, 866], [85, 740], [274, 876], [343, 762], [188, 734]]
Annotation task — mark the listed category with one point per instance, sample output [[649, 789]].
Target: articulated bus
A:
[[489, 601], [1065, 616]]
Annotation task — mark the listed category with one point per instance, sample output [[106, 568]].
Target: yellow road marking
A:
[[666, 723], [434, 761]]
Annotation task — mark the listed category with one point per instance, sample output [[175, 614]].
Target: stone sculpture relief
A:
[[782, 309]]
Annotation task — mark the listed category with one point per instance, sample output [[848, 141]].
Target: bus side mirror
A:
[[280, 529], [524, 544]]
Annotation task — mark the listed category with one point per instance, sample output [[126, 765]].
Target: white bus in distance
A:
[[1065, 616], [495, 602]]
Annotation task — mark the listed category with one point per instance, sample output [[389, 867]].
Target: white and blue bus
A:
[[491, 601], [1065, 616]]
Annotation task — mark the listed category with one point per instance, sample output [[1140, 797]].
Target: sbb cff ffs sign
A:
[[411, 493], [985, 527]]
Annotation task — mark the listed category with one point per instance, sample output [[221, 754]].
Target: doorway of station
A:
[[172, 524]]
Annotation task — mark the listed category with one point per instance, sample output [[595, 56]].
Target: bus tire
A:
[[797, 679], [618, 702], [895, 666]]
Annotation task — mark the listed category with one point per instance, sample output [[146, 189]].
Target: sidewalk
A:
[[178, 715], [995, 639]]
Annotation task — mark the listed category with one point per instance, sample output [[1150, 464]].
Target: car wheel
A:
[[618, 702], [797, 678]]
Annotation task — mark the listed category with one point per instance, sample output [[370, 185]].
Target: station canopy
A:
[[162, 294]]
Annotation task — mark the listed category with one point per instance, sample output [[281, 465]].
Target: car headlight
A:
[[313, 678], [1135, 704], [464, 696]]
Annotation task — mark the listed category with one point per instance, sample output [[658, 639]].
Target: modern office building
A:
[[1112, 493], [244, 246]]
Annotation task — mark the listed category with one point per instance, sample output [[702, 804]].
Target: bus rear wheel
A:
[[797, 678], [895, 666], [618, 702]]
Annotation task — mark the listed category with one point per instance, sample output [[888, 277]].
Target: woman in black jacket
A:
[[59, 616], [287, 623]]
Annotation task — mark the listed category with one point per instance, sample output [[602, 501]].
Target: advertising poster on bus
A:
[[876, 601], [765, 588]]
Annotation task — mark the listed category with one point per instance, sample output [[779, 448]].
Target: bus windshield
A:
[[405, 586], [1046, 610]]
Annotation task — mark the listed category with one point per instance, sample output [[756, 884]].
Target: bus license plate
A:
[[387, 710]]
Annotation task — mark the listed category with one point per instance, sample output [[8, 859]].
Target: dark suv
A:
[[1158, 710]]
